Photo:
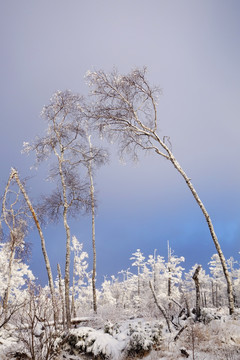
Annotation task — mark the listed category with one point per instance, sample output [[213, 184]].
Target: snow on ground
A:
[[219, 339]]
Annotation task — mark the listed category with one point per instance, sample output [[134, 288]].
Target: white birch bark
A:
[[14, 174], [73, 309], [12, 250], [61, 294], [68, 242], [93, 227], [211, 229]]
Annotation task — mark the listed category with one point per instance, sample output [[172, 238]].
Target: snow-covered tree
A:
[[68, 142], [157, 266], [174, 274], [15, 250], [80, 274], [188, 287], [139, 263], [15, 177], [125, 110], [218, 284], [64, 135], [20, 276]]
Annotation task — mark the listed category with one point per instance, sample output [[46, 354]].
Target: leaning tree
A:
[[125, 109]]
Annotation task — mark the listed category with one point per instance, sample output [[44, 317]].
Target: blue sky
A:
[[192, 51]]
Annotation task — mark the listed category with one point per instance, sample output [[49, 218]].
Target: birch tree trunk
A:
[[68, 241], [12, 250], [61, 294], [14, 174], [208, 220], [7, 291], [160, 307], [73, 309], [169, 272], [93, 227]]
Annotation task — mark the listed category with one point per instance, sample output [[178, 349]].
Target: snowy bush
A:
[[93, 342], [143, 337], [139, 336], [109, 328], [116, 341]]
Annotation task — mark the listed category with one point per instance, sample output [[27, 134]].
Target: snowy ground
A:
[[136, 338]]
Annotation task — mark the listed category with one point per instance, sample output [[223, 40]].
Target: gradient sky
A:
[[192, 51]]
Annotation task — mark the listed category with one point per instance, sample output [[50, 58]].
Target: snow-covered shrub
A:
[[109, 328], [116, 341], [93, 342], [143, 337], [20, 275]]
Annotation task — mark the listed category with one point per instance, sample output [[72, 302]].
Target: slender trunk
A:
[[67, 269], [154, 271], [7, 291], [187, 305], [12, 250], [169, 283], [14, 174], [179, 333], [61, 294], [213, 300], [213, 234], [208, 220], [169, 272], [169, 287], [160, 307], [68, 243], [193, 342], [205, 299], [197, 286], [93, 228], [138, 280], [169, 276], [73, 309], [31, 315]]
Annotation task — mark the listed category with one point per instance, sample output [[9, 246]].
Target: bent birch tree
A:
[[126, 110]]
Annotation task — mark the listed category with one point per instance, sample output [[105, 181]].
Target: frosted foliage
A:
[[63, 115], [20, 274], [138, 257], [215, 267], [60, 99], [174, 267], [108, 293], [26, 147], [80, 263]]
